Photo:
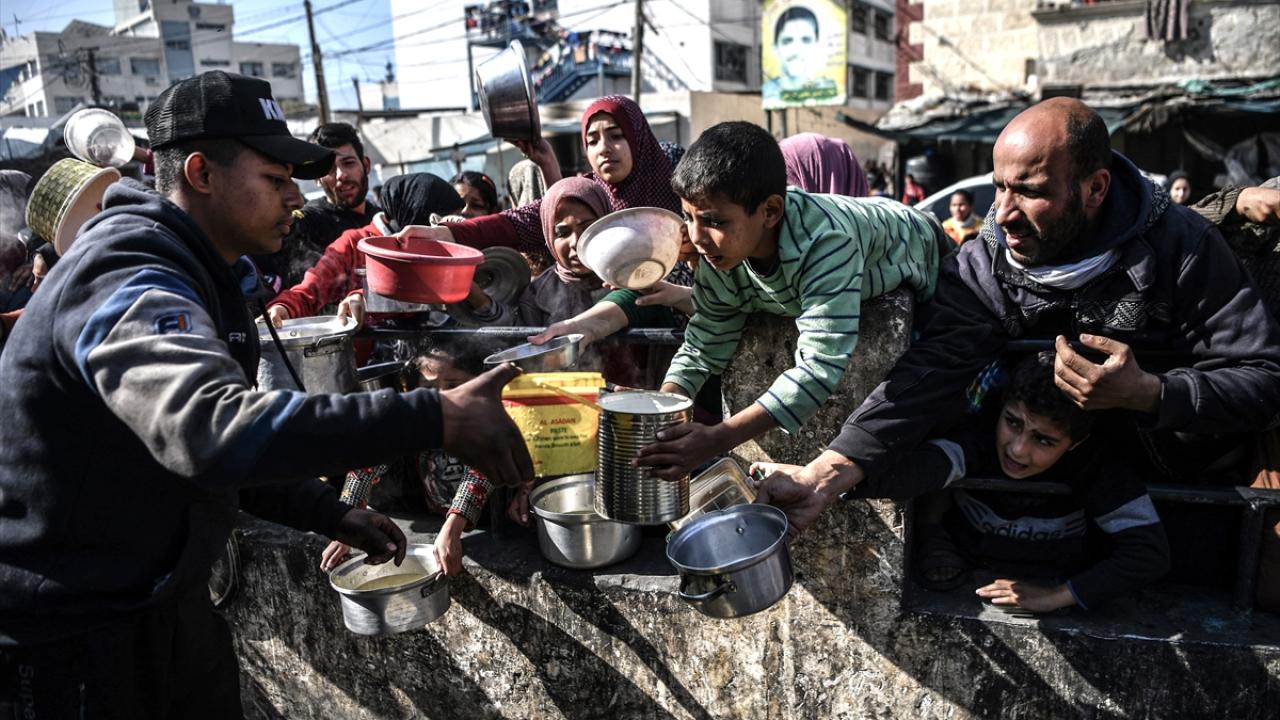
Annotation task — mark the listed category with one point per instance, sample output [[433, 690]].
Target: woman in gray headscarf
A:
[[527, 183]]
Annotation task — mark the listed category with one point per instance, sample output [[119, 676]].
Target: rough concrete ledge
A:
[[525, 639]]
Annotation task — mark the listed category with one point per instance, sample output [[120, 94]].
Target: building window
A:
[[282, 70], [858, 18], [145, 66], [211, 27], [65, 103], [883, 25], [731, 62], [252, 69], [858, 81], [107, 65], [209, 62], [884, 86]]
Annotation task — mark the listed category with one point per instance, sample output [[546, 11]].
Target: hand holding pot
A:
[[448, 545], [277, 314], [804, 493], [478, 431], [680, 449], [439, 233], [373, 533], [333, 555]]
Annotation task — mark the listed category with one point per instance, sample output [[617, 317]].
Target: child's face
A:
[[441, 373], [725, 234], [572, 219], [1028, 444], [960, 207]]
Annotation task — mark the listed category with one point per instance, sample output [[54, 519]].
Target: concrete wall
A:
[[981, 45], [527, 640], [1107, 44]]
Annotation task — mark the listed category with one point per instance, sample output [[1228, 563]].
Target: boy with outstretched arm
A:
[[1100, 541], [764, 247]]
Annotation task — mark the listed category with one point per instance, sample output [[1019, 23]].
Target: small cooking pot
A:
[[320, 349], [570, 533], [386, 599], [733, 562], [394, 375], [507, 98]]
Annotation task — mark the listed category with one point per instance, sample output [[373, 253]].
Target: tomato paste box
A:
[[560, 433]]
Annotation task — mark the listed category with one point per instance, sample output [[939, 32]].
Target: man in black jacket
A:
[[134, 432], [1174, 340]]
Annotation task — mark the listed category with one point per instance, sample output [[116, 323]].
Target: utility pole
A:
[[637, 50], [359, 102], [93, 78], [317, 62]]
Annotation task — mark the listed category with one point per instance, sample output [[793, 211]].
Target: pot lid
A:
[[725, 541], [303, 331], [504, 274]]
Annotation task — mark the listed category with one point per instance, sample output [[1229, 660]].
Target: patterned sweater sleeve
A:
[[829, 283], [326, 282], [469, 500], [713, 332]]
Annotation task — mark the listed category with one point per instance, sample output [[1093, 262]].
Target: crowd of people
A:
[[1164, 363]]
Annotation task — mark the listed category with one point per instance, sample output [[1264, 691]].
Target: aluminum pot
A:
[[507, 98], [380, 376], [630, 493], [320, 350], [571, 533], [733, 562], [385, 599], [383, 305]]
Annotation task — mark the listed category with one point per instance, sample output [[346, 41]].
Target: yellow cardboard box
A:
[[560, 433]]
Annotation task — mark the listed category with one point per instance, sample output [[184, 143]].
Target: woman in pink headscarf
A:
[[820, 164], [627, 163]]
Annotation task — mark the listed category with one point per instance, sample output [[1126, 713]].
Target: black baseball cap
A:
[[217, 104]]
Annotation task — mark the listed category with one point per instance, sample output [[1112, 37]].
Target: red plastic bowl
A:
[[419, 270]]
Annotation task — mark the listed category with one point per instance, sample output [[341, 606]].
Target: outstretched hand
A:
[[804, 493], [1118, 382], [1036, 598], [352, 306], [374, 533], [478, 431]]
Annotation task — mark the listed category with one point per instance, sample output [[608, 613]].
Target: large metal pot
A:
[[385, 599], [507, 98], [571, 533], [630, 493], [320, 351], [733, 562], [397, 375]]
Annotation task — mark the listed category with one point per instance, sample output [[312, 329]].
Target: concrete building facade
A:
[[151, 46]]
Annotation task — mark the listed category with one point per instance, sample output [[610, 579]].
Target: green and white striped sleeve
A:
[[830, 288], [712, 335]]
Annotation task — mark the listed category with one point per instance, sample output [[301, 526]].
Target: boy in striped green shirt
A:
[[768, 248]]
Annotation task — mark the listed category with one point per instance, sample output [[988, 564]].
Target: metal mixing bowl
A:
[[556, 354], [570, 533]]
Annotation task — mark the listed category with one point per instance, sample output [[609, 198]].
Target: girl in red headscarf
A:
[[627, 162]]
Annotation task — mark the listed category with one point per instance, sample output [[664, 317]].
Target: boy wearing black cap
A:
[[136, 432]]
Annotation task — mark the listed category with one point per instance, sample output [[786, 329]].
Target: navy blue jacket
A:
[[133, 430], [1177, 296]]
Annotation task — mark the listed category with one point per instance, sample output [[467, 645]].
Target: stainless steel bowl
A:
[[507, 98], [632, 248], [557, 354], [571, 533], [405, 603], [733, 562]]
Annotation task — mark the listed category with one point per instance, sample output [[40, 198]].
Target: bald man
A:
[[1153, 319]]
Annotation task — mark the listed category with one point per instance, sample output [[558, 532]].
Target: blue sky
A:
[[357, 24]]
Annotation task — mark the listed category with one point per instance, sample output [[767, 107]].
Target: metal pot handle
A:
[[719, 590], [322, 343]]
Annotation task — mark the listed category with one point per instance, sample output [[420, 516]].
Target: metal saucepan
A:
[[570, 533], [557, 354], [733, 562], [396, 375], [385, 599]]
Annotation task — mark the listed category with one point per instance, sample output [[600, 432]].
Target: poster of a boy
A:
[[1101, 541], [764, 247]]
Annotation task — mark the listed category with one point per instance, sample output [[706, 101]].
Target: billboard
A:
[[804, 54]]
